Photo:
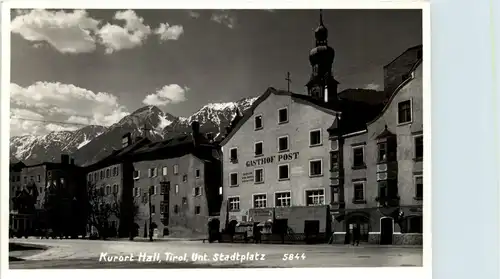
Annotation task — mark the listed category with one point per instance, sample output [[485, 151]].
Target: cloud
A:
[[372, 86], [168, 94], [131, 35], [65, 104], [225, 18], [68, 32], [194, 14], [167, 32], [77, 32]]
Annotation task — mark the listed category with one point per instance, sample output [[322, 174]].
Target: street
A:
[[69, 253]]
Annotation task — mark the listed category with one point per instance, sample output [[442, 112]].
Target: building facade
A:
[[381, 189], [176, 184], [357, 154]]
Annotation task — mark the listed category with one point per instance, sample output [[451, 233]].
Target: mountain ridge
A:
[[91, 143]]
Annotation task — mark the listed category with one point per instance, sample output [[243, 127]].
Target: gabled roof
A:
[[118, 155], [353, 112], [18, 166], [417, 47]]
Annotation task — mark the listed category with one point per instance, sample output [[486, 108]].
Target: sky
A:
[[85, 67]]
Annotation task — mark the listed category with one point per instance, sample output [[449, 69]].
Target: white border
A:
[[253, 200], [409, 272], [255, 148], [254, 176], [281, 192], [237, 178], [287, 115], [261, 122], [229, 157], [356, 146], [229, 204], [314, 189], [278, 167], [287, 143], [411, 112], [354, 190], [322, 166], [320, 137]]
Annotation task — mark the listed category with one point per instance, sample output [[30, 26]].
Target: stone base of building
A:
[[374, 238]]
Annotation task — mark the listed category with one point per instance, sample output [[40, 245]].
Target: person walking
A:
[[356, 235]]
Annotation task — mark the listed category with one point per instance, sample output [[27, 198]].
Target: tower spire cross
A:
[[320, 17], [288, 81]]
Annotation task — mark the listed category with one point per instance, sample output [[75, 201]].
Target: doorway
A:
[[363, 223], [386, 230]]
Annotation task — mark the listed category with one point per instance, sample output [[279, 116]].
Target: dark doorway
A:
[[311, 230], [386, 231], [213, 230], [362, 223], [280, 227], [414, 224]]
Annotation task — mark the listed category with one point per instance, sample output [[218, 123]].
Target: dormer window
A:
[[283, 115], [258, 122]]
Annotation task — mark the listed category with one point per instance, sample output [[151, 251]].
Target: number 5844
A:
[[294, 256]]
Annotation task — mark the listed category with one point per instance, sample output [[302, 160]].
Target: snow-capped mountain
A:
[[92, 143], [31, 148]]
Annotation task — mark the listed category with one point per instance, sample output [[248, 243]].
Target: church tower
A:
[[322, 85]]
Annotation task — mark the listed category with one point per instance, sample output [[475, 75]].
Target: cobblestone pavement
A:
[[86, 254]]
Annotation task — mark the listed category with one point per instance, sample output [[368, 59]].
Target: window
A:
[[197, 210], [176, 188], [259, 201], [61, 180], [184, 178], [108, 173], [258, 146], [184, 200], [108, 190], [283, 144], [283, 172], [89, 177], [115, 171], [165, 170], [283, 115], [18, 178], [258, 122], [404, 112], [334, 160], [419, 187], [197, 191], [102, 174], [41, 190], [197, 173], [359, 192], [382, 152], [153, 209], [151, 190], [316, 167], [101, 191], [233, 154], [145, 198], [137, 174], [176, 169], [315, 138], [358, 156], [152, 172], [115, 189], [315, 197], [283, 199], [258, 175], [137, 192], [234, 203], [95, 176], [38, 178], [419, 148], [176, 209], [163, 188], [233, 179], [31, 178], [25, 179]]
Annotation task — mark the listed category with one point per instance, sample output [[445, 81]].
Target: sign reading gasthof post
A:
[[273, 159]]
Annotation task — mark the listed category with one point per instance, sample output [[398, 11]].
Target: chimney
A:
[[65, 159], [126, 140], [195, 127]]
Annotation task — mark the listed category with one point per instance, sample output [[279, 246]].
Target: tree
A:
[[99, 209], [125, 211]]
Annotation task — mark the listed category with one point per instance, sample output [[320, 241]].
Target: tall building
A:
[[285, 167]]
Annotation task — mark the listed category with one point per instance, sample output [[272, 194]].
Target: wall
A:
[[302, 119], [186, 216], [37, 174], [407, 166]]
